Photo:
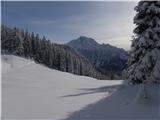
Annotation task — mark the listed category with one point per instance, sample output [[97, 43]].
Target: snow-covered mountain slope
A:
[[103, 56], [33, 91]]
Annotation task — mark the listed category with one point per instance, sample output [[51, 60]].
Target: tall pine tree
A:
[[144, 62]]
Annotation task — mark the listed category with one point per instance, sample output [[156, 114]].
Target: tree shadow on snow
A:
[[108, 89], [117, 106]]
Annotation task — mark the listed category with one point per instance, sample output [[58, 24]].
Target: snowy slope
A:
[[11, 62], [33, 91]]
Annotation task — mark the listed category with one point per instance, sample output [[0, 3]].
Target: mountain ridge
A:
[[104, 57]]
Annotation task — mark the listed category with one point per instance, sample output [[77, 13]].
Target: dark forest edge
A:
[[60, 57]]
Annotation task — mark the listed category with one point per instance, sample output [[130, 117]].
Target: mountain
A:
[[104, 56], [19, 42]]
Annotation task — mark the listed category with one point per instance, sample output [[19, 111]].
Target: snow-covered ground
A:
[[33, 91]]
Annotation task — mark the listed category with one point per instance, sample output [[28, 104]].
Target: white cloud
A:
[[116, 32], [104, 24]]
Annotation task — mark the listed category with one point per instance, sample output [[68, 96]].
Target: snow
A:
[[33, 91], [11, 63]]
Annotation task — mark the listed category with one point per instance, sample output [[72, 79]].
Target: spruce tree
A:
[[5, 39], [19, 43], [144, 61], [33, 48], [27, 45]]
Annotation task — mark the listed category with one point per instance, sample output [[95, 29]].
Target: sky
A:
[[106, 22]]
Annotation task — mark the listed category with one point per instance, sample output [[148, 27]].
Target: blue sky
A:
[[107, 22]]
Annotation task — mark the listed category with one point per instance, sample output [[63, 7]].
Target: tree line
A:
[[30, 45]]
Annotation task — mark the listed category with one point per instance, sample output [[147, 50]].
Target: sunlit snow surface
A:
[[33, 91]]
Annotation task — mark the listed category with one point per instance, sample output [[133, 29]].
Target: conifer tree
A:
[[144, 62], [33, 49], [19, 50], [5, 39], [27, 44]]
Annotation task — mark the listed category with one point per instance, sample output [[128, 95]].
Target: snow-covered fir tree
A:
[[19, 50], [144, 62]]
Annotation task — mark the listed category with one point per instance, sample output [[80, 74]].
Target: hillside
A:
[[33, 91], [105, 57], [29, 45]]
